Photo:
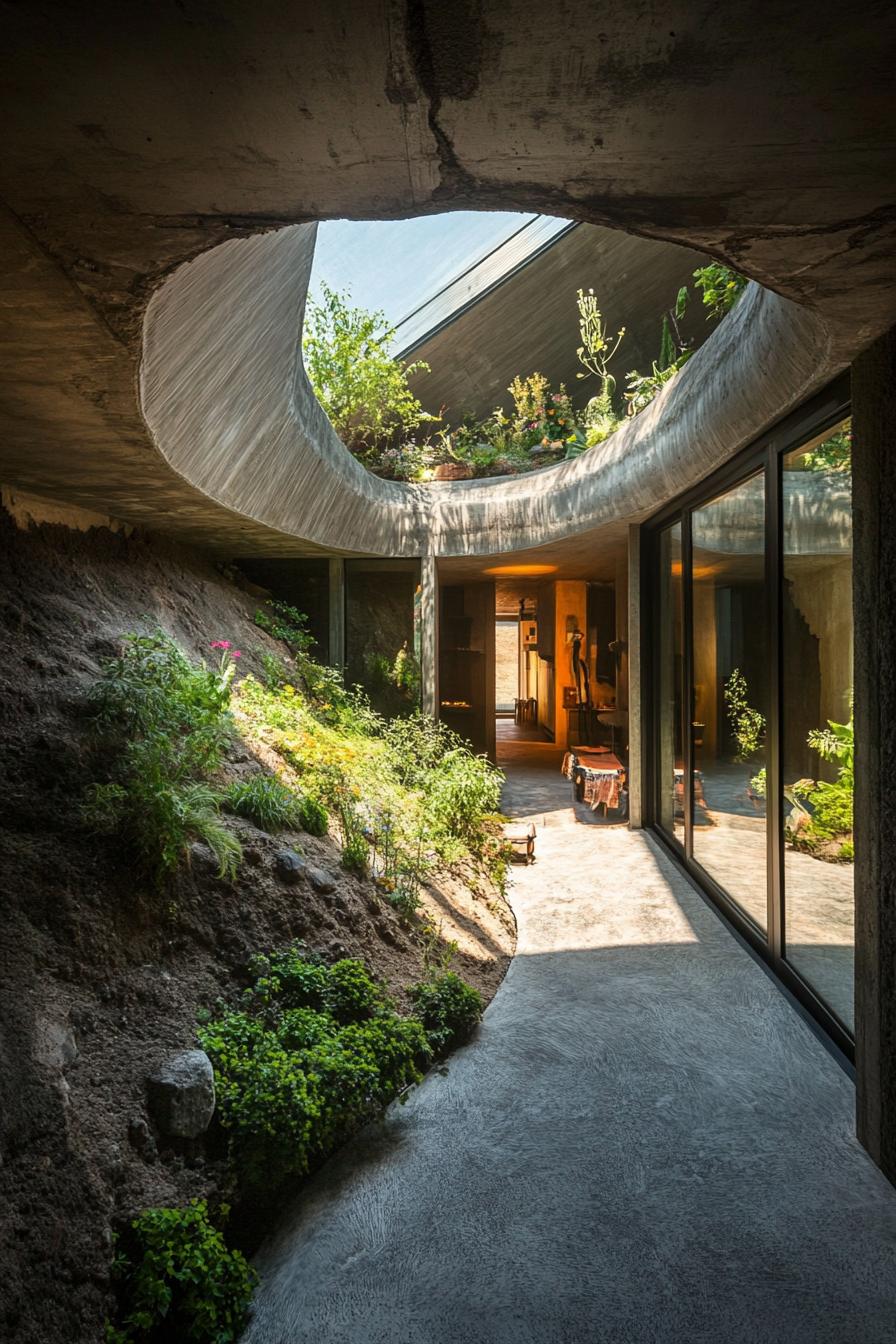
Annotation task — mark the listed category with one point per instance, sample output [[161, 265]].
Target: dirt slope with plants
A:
[[103, 970]]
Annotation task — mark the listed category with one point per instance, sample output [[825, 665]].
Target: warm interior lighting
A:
[[698, 571], [521, 571]]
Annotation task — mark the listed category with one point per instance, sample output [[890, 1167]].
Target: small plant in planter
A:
[[446, 460]]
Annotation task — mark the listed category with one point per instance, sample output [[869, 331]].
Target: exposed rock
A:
[[55, 1044], [138, 1133], [320, 879], [290, 866], [201, 857], [182, 1094]]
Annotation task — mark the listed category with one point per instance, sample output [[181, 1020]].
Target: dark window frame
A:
[[764, 455]]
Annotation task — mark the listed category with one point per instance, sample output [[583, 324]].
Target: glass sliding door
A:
[[752, 752], [816, 717], [670, 675], [730, 694]]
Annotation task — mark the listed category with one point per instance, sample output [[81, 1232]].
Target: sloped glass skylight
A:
[[422, 271]]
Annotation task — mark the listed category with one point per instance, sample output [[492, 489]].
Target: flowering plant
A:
[[227, 666]]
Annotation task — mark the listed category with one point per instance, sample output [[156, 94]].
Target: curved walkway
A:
[[644, 1143]]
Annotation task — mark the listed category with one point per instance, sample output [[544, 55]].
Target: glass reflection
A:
[[817, 734], [671, 762], [730, 697]]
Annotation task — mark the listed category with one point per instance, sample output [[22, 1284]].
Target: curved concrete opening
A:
[[229, 405]]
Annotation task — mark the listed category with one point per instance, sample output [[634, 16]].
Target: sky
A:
[[394, 265]]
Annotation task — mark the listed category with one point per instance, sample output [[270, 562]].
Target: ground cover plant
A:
[[449, 1009], [176, 1279], [267, 802], [404, 795], [163, 726], [313, 1051]]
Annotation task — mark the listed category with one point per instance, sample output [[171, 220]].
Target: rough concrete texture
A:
[[229, 406], [645, 1144], [128, 154]]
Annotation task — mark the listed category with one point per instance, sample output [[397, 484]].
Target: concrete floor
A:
[[645, 1143]]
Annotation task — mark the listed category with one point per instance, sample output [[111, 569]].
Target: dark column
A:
[[336, 607], [874, 595]]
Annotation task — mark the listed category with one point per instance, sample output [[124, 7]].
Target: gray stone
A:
[[320, 879], [55, 1043], [290, 866], [182, 1094], [138, 1133]]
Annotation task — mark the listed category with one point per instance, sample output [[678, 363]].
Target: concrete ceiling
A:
[[134, 142], [530, 322], [591, 556]]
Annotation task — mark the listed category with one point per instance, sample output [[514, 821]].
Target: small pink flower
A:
[[220, 644], [237, 653]]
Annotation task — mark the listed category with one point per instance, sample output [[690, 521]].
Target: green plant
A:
[[292, 977], [282, 621], [528, 398], [313, 816], [449, 1009], [266, 801], [361, 387], [405, 900], [404, 796], [747, 724], [315, 1051], [163, 725], [597, 348], [463, 790], [405, 672], [276, 673], [352, 995], [176, 1279], [355, 855], [720, 287], [832, 801], [834, 454], [600, 419], [642, 388], [674, 353], [438, 953], [405, 461]]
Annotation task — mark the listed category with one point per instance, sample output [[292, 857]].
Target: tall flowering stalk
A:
[[598, 347]]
